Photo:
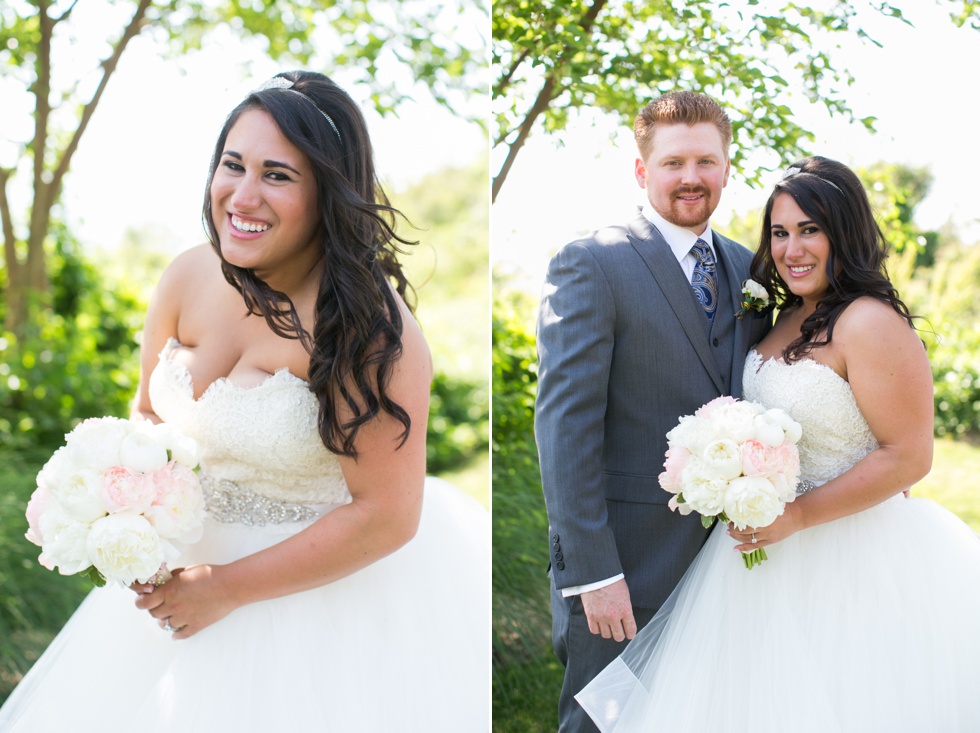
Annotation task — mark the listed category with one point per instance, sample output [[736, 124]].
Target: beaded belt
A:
[[229, 503], [804, 485]]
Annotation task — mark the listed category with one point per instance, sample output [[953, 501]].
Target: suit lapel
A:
[[650, 245], [743, 326]]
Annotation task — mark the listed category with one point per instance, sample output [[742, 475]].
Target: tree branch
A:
[[65, 15], [540, 105], [505, 79], [9, 245], [548, 92], [42, 111], [108, 66]]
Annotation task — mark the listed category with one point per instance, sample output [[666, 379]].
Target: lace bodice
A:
[[263, 439], [835, 434]]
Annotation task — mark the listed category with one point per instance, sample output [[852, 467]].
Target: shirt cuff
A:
[[577, 590]]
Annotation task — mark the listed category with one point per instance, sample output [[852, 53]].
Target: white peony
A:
[[752, 501], [94, 443], [768, 431], [183, 448], [735, 421], [65, 543], [703, 490], [80, 495], [125, 548], [142, 450], [57, 469], [793, 430], [691, 433], [723, 459]]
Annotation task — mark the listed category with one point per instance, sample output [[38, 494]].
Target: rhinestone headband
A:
[[795, 170], [281, 82]]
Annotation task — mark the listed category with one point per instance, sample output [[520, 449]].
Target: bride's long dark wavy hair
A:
[[357, 324], [832, 196]]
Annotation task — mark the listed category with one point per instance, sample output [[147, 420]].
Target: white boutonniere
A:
[[754, 297]]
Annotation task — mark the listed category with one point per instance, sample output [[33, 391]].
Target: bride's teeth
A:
[[244, 226]]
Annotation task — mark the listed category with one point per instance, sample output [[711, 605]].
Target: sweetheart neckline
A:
[[773, 360], [188, 382]]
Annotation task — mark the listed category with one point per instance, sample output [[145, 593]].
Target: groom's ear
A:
[[640, 171]]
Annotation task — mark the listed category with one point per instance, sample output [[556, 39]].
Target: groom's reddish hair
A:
[[672, 108]]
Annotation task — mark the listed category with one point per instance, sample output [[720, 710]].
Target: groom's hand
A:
[[610, 612]]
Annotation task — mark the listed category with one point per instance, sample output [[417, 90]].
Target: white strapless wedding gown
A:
[[868, 624], [399, 647]]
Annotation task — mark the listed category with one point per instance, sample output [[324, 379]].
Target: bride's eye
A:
[[233, 165]]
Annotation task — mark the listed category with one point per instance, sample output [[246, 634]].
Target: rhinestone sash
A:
[[804, 485], [229, 503]]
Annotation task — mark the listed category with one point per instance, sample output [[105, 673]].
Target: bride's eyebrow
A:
[[267, 163]]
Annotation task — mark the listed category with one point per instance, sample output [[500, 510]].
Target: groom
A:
[[627, 344]]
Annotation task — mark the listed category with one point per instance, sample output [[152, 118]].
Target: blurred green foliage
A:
[[521, 611], [75, 360], [938, 277], [449, 216]]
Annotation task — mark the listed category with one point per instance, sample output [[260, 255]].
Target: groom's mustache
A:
[[689, 191]]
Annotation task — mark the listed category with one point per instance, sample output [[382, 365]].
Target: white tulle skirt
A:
[[867, 624], [401, 646]]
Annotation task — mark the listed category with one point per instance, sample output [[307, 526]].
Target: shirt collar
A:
[[679, 239]]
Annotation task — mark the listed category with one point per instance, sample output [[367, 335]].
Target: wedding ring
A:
[[167, 626], [754, 541]]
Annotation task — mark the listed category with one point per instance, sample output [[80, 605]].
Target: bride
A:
[[336, 588], [864, 617]]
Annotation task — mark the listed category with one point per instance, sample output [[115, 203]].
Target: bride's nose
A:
[[247, 194], [794, 247]]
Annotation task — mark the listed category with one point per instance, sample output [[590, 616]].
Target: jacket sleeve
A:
[[575, 336]]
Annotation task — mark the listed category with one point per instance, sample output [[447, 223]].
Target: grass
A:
[[954, 480], [473, 478]]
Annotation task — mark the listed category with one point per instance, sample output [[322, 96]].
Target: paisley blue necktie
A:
[[705, 279]]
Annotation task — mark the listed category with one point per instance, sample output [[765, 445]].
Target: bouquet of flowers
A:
[[735, 461], [110, 503]]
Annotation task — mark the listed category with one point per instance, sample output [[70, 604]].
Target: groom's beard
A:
[[688, 215]]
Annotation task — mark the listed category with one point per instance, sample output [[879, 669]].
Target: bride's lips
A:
[[243, 227], [799, 271]]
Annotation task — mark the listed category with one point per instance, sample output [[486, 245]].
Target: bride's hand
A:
[[786, 524], [190, 601]]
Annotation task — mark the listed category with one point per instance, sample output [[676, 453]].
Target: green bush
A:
[[946, 295], [521, 610], [77, 359], [459, 415]]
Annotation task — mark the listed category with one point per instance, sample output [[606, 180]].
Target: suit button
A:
[[714, 341], [555, 537], [556, 546], [559, 556], [560, 565]]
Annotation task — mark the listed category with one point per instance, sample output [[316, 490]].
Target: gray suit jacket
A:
[[624, 350]]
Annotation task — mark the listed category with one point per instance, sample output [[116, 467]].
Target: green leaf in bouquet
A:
[[97, 579], [707, 522]]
